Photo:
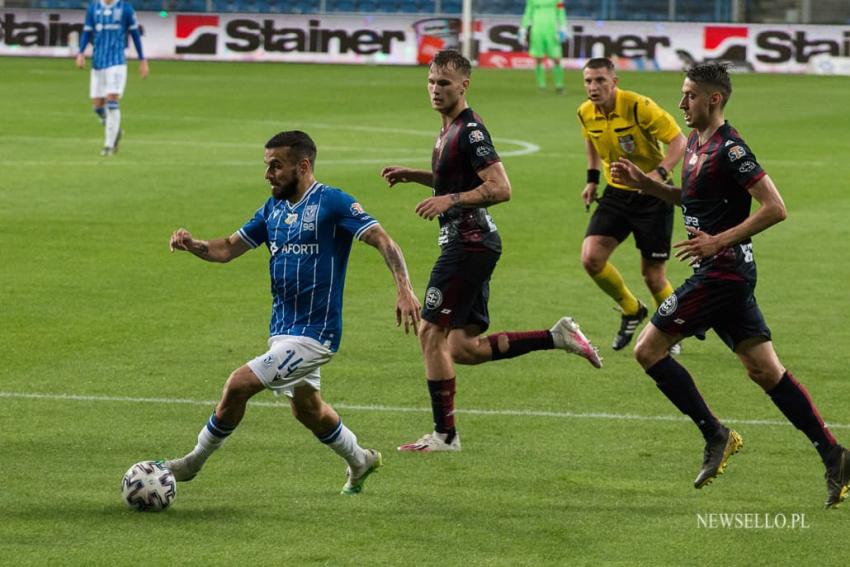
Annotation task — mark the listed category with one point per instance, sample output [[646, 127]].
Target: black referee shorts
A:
[[459, 289], [728, 306], [620, 213]]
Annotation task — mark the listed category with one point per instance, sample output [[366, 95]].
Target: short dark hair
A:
[[301, 145], [451, 59], [712, 75], [599, 63]]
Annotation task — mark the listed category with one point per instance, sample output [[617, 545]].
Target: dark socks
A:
[[443, 406], [520, 343], [672, 379], [794, 402]]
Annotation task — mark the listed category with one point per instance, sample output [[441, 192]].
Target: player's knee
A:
[[308, 416], [592, 264], [240, 385], [646, 355], [463, 353], [766, 378], [431, 337]]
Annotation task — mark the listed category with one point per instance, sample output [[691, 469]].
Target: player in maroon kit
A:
[[467, 176], [720, 177]]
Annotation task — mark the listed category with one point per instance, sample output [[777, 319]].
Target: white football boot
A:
[[567, 336], [431, 442], [355, 481]]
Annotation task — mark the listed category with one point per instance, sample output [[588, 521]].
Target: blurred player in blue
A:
[[720, 178], [308, 228], [466, 177], [106, 27]]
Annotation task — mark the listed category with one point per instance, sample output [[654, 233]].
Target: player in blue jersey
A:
[[466, 176], [720, 177], [308, 228], [107, 24]]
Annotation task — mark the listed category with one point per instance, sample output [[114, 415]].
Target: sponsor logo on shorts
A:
[[268, 360], [472, 125], [663, 255], [476, 136], [668, 306], [433, 298], [728, 143], [357, 209], [736, 153], [482, 151]]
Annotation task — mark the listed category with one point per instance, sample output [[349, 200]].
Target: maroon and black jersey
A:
[[715, 181], [462, 149]]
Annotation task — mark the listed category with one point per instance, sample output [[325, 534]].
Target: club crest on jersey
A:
[[693, 160], [291, 218], [433, 298], [310, 213], [668, 306], [736, 153], [627, 143], [357, 209], [476, 136]]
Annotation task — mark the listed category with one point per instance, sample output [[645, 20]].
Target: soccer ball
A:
[[148, 487]]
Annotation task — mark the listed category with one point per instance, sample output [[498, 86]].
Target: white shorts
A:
[[289, 363], [108, 81]]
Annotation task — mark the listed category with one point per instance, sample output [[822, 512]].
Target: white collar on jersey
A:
[[303, 197]]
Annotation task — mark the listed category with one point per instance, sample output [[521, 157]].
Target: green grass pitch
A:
[[562, 464]]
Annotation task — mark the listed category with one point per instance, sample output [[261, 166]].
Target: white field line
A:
[[525, 148], [398, 409]]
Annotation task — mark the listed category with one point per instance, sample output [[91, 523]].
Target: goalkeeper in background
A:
[[548, 22]]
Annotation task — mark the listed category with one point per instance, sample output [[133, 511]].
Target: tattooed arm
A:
[[217, 250], [407, 306], [495, 188]]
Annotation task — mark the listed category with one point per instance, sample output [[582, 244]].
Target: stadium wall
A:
[[411, 39]]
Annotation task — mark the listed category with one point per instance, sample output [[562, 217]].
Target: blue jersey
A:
[[107, 27], [309, 243]]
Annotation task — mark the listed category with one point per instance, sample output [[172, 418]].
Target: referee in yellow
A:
[[618, 123]]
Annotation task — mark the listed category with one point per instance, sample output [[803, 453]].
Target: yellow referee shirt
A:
[[635, 130]]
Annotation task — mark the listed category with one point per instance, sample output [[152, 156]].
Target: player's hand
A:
[[700, 245], [181, 239], [81, 60], [407, 311], [624, 172], [562, 35], [395, 174], [434, 206], [144, 69], [589, 195]]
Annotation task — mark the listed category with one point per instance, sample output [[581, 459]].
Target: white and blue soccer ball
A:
[[148, 487]]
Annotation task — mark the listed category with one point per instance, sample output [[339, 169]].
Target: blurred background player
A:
[[617, 123], [720, 178], [106, 27], [467, 176], [308, 227], [548, 22]]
